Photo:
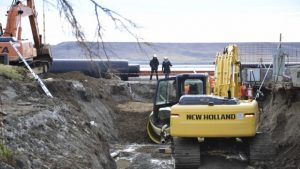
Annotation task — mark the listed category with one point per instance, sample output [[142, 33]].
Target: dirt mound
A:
[[74, 129], [66, 131], [281, 118]]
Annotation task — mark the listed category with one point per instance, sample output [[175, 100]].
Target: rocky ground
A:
[[73, 130], [89, 119]]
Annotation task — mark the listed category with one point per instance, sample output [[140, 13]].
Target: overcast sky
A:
[[180, 21]]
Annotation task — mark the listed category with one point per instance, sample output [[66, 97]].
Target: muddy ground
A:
[[89, 119]]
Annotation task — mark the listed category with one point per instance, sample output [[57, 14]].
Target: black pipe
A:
[[95, 68], [133, 70]]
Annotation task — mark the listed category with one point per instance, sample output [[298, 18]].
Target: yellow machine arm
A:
[[227, 72]]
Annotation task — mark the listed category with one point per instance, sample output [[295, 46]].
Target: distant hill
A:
[[184, 53]]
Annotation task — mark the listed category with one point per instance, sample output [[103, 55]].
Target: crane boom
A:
[[13, 26], [39, 55], [34, 25]]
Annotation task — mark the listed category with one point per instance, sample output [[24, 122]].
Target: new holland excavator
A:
[[37, 55], [187, 115]]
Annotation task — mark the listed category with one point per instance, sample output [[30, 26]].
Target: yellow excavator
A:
[[190, 117]]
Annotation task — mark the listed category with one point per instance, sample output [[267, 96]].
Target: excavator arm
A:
[[227, 73]]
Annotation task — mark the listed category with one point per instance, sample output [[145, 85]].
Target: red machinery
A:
[[38, 55]]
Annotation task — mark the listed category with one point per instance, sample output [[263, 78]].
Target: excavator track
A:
[[186, 153]]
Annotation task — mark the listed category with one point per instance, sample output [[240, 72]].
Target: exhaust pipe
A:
[[229, 94]]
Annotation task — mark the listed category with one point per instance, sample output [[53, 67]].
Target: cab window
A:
[[166, 92], [192, 86]]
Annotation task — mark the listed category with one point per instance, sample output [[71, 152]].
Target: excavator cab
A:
[[168, 93], [165, 97]]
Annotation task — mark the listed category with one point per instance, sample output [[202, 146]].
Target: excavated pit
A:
[[89, 119]]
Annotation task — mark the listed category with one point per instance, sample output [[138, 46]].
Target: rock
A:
[[37, 163], [5, 166]]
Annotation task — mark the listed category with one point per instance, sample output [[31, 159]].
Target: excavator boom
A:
[[227, 72]]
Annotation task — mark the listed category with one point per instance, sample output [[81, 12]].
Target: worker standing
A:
[[1, 30], [166, 67], [154, 66]]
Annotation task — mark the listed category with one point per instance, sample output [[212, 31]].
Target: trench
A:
[[134, 150], [278, 117], [52, 133]]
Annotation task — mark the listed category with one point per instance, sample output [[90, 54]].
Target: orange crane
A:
[[37, 54]]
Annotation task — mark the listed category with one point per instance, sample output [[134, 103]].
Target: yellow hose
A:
[[152, 135]]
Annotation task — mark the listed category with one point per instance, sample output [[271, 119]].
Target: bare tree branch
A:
[[121, 23]]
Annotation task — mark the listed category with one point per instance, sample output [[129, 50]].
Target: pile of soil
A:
[[74, 129]]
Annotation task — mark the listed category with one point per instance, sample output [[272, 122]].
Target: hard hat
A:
[[154, 55], [165, 58]]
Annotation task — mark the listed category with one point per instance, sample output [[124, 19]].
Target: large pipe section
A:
[[95, 67]]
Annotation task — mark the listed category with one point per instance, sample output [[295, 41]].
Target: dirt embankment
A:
[[74, 129], [281, 118]]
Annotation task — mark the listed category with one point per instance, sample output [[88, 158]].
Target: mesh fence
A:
[[262, 53]]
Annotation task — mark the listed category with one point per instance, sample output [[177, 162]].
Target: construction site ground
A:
[[101, 124]]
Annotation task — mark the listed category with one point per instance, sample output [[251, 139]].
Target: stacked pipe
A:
[[95, 67]]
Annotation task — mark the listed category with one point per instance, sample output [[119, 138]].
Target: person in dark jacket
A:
[[166, 67], [154, 66]]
